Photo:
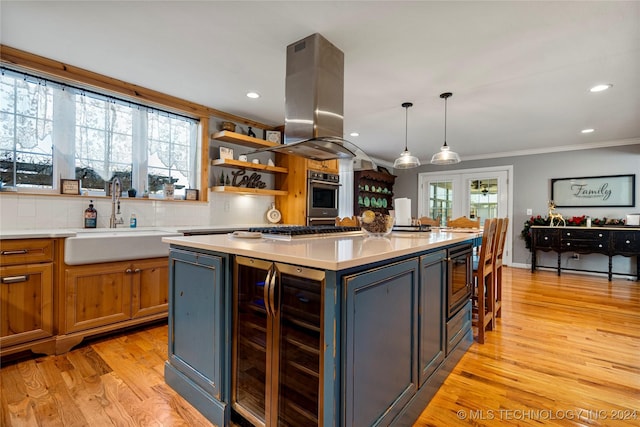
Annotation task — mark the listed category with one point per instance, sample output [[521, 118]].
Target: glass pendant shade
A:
[[445, 156], [406, 160]]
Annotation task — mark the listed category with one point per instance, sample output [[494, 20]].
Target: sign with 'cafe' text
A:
[[594, 191]]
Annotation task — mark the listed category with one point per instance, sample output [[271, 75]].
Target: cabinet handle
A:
[[137, 270], [302, 298], [272, 289], [568, 234], [128, 271], [265, 292], [600, 235], [599, 246], [15, 279], [18, 252], [628, 241], [568, 243], [546, 238]]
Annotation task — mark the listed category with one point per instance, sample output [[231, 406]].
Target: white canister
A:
[[402, 207], [167, 191]]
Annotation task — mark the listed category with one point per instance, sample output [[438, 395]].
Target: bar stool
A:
[[501, 237], [463, 222], [482, 296], [347, 221], [433, 222]]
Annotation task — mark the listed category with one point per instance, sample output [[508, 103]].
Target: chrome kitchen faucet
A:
[[116, 188]]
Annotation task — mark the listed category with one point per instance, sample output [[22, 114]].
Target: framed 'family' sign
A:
[[594, 191]]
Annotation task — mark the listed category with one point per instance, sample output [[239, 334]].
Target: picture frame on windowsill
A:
[[70, 186], [191, 194]]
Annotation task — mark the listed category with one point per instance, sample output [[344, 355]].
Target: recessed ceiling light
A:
[[587, 130], [354, 134], [253, 95], [600, 88]]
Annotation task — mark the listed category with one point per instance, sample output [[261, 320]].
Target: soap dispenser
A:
[[90, 216]]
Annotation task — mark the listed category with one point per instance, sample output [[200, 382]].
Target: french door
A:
[[475, 193]]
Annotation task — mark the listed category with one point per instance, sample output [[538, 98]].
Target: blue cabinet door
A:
[[380, 343], [196, 331], [431, 313]]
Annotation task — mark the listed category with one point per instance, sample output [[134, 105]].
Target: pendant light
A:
[[445, 156], [406, 160]]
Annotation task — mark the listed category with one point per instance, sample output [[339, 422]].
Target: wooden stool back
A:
[[433, 222], [483, 298], [347, 221], [463, 222], [501, 237]]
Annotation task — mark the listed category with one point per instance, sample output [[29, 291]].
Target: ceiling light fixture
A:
[[600, 88], [587, 130], [406, 160], [253, 95], [354, 134], [445, 156]]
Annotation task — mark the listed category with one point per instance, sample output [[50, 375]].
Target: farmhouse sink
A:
[[112, 244]]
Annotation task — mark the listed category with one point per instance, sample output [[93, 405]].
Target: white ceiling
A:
[[520, 72]]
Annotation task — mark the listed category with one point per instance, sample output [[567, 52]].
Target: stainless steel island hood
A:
[[314, 101]]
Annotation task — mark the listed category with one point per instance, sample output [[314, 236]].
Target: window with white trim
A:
[[50, 130]]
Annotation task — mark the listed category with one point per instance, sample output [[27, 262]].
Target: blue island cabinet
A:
[[386, 338], [198, 320], [380, 343]]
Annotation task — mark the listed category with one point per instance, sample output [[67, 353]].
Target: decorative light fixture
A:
[[445, 156], [406, 160]]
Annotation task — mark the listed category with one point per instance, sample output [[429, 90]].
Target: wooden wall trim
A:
[[25, 61]]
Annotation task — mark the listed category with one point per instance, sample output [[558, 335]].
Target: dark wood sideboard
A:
[[609, 241]]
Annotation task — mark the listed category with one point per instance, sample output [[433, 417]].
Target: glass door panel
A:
[[299, 345], [250, 339], [440, 200], [483, 198]]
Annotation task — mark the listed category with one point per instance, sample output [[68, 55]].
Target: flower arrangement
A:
[[574, 221]]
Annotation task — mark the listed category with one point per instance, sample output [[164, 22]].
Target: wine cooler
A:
[[277, 341]]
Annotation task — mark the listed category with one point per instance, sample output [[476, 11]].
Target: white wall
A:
[[532, 189], [27, 211]]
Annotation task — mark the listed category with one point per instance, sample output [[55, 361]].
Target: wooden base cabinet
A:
[[26, 296], [96, 298]]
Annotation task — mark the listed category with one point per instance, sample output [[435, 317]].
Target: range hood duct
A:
[[314, 90], [314, 101]]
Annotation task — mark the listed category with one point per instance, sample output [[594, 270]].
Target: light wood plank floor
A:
[[566, 353]]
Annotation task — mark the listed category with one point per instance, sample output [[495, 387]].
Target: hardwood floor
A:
[[565, 352]]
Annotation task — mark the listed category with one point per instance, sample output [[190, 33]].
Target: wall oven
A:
[[323, 190]]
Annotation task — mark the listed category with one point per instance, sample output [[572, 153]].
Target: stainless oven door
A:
[[321, 221], [322, 199]]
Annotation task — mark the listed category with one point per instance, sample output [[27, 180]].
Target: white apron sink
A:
[[112, 244]]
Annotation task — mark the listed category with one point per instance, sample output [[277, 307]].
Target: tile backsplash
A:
[[27, 211]]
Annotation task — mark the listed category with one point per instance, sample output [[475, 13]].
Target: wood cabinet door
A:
[[431, 313], [329, 166], [26, 303], [96, 295], [149, 287], [381, 343]]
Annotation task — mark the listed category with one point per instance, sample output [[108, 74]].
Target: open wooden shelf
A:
[[247, 141], [231, 163], [245, 190]]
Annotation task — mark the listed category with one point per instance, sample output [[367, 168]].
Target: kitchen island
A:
[[339, 330]]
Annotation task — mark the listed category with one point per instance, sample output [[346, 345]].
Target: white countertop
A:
[[330, 253], [71, 232]]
